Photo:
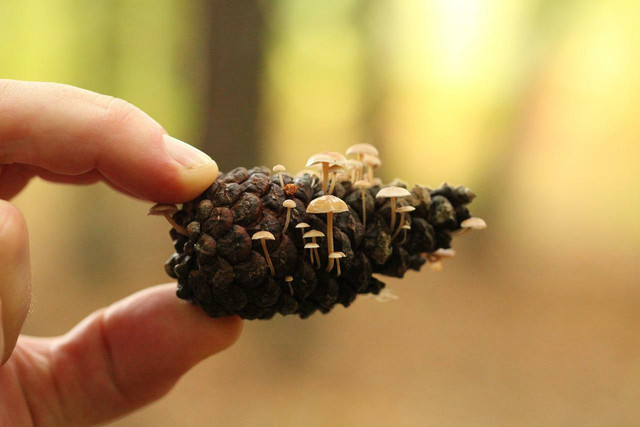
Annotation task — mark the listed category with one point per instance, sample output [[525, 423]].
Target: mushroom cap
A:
[[362, 183], [313, 233], [311, 245], [263, 235], [330, 157], [474, 223], [444, 253], [371, 160], [327, 203], [362, 148], [289, 204], [393, 192], [162, 209], [406, 227], [405, 209], [353, 163], [279, 168], [288, 279], [302, 225], [337, 254], [336, 168]]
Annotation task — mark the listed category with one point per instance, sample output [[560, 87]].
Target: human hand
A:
[[132, 352]]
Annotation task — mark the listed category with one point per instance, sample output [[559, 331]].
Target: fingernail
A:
[[185, 154]]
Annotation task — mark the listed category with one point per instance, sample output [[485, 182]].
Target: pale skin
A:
[[131, 353]]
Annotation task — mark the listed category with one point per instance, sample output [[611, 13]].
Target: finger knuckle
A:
[[117, 112]]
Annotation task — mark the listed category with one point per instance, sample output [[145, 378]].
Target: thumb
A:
[[15, 277], [133, 352]]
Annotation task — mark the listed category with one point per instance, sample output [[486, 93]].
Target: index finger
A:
[[71, 131]]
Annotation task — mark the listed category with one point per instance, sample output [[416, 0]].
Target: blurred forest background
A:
[[531, 103]]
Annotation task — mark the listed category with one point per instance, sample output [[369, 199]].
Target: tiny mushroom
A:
[[403, 210], [326, 159], [372, 163], [289, 204], [473, 223], [355, 167], [279, 169], [168, 210], [263, 236], [435, 258], [363, 185], [302, 226], [361, 150], [404, 237], [313, 234], [393, 193], [313, 248], [333, 173], [337, 255], [288, 281], [328, 204]]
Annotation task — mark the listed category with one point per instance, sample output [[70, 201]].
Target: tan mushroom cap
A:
[[313, 233], [444, 253], [302, 225], [328, 203], [330, 157], [362, 148], [337, 254], [405, 209], [337, 168], [371, 160], [406, 227], [353, 163], [288, 279], [393, 192], [289, 203], [279, 168], [311, 246], [474, 223], [263, 235], [162, 209], [362, 183]]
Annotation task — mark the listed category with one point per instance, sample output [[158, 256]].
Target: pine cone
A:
[[221, 266]]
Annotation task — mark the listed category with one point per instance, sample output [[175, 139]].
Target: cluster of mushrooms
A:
[[329, 168]]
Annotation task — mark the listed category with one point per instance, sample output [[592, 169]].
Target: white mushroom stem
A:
[[404, 237], [334, 178], [286, 221], [338, 265], [311, 255], [393, 213], [315, 251], [313, 182], [281, 180], [180, 229], [330, 238], [267, 257], [400, 224], [325, 176]]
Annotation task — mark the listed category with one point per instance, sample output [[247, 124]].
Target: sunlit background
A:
[[534, 104]]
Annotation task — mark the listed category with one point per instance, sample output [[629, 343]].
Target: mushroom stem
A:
[[180, 229], [266, 255], [395, 234], [334, 178], [404, 237], [330, 238], [315, 251], [286, 222], [325, 176], [313, 183], [338, 266], [393, 213], [281, 180], [364, 209]]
